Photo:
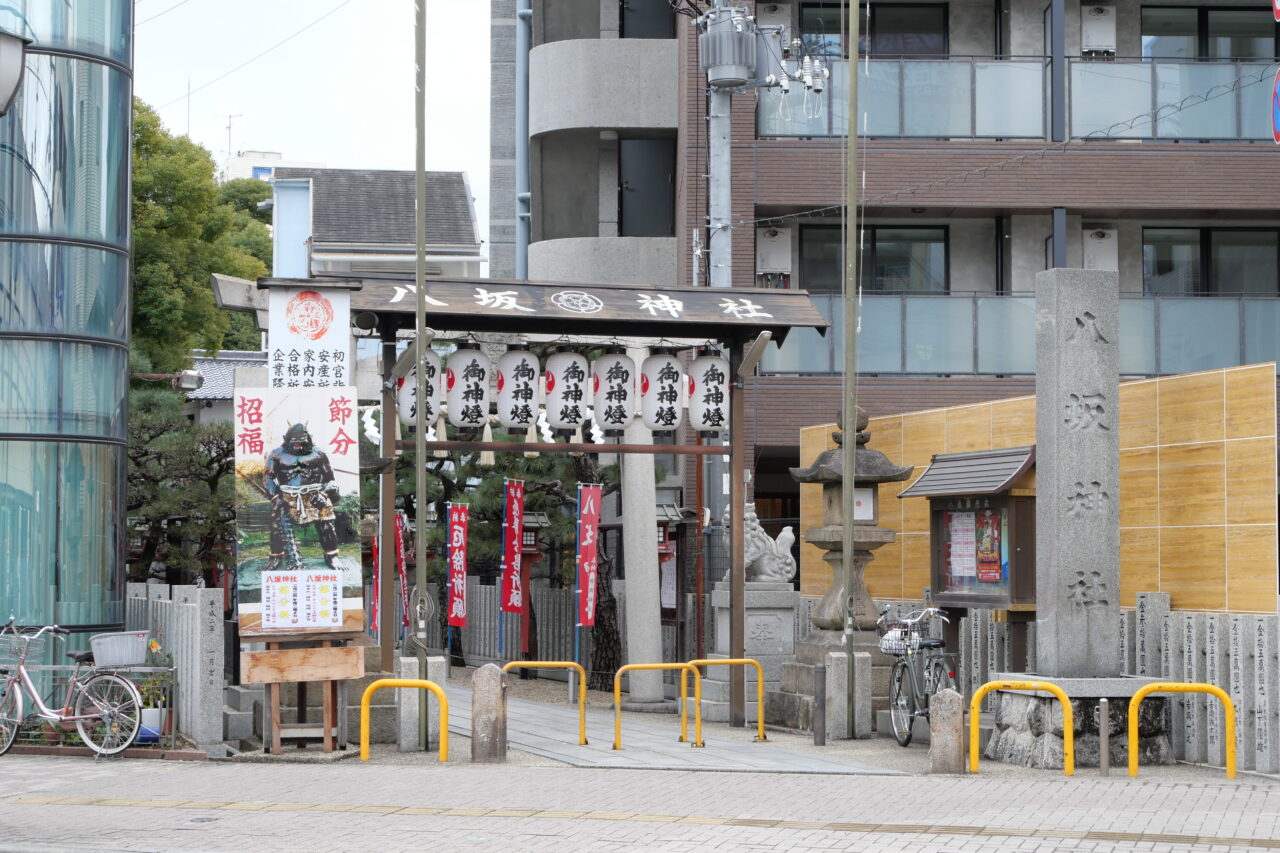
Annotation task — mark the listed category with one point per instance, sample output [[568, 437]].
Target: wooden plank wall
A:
[[1197, 488]]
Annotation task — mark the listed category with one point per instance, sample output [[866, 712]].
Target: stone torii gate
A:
[[591, 314]]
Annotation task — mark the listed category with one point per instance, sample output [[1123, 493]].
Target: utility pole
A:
[[850, 356], [420, 338], [736, 55], [230, 154]]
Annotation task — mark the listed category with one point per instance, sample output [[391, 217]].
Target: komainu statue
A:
[[766, 559]]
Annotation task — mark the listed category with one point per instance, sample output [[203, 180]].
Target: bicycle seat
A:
[[81, 657], [931, 643]]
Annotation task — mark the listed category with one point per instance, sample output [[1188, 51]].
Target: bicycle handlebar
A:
[[917, 615]]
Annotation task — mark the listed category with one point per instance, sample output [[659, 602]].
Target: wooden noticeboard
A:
[[277, 666]]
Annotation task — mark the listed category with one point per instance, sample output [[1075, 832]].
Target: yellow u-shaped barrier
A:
[[404, 682], [582, 686], [759, 683], [684, 704], [1068, 719], [1182, 687]]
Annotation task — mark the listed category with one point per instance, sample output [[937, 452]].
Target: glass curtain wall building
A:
[[64, 315]]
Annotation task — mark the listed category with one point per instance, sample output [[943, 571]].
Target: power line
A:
[[255, 58], [165, 12], [1162, 111]]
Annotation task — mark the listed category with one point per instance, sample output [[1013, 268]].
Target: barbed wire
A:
[[1111, 132]]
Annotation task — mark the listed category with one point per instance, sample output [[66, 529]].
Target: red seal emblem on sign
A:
[[309, 315]]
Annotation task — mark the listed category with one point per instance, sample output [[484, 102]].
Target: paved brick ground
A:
[[79, 804]]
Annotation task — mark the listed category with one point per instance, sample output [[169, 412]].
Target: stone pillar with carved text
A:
[[1077, 473]]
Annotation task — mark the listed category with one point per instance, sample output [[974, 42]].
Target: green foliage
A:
[[244, 194], [182, 233], [179, 481]]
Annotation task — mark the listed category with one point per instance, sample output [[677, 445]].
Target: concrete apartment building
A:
[[994, 144]]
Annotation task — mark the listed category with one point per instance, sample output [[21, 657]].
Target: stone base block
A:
[[1029, 731], [718, 712]]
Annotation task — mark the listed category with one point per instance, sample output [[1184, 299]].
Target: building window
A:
[[892, 29], [646, 187], [1183, 32], [896, 259], [647, 19], [1211, 261]]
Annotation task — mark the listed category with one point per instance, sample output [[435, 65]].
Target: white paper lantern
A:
[[709, 394], [613, 391], [661, 381], [466, 382], [566, 390], [407, 392], [518, 381]]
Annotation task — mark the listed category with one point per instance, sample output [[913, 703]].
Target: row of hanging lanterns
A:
[[571, 389]]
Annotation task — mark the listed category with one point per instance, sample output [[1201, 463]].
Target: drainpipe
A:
[[524, 40]]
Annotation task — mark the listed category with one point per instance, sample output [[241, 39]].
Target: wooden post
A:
[[273, 702], [327, 715]]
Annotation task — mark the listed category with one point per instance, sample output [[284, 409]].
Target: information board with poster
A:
[[297, 501], [975, 552]]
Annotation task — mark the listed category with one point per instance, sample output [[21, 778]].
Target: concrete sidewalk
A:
[[551, 731]]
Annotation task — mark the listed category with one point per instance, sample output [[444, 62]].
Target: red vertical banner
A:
[[588, 552], [512, 542], [458, 517], [401, 526]]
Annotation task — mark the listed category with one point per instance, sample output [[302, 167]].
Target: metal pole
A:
[[720, 190], [420, 334], [386, 567], [1104, 736], [737, 564], [1059, 240], [850, 355], [524, 37], [1058, 70]]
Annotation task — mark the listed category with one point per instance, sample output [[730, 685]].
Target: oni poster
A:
[[297, 503]]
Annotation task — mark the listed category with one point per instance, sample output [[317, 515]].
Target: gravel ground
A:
[[877, 751]]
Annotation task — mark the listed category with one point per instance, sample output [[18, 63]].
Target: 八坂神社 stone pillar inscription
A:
[[1077, 473]]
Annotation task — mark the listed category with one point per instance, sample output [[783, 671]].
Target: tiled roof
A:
[[980, 472], [376, 206], [220, 373]]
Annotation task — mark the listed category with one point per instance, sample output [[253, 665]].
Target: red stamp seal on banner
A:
[[309, 315]]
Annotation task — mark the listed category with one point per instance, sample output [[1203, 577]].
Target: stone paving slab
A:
[[551, 731]]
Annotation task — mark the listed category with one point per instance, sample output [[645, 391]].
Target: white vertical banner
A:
[[309, 337]]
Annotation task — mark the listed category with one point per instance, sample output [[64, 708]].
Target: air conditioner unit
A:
[[1097, 29], [773, 251], [1101, 249]]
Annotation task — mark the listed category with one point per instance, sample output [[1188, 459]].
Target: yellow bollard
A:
[[1068, 719], [382, 683], [759, 683], [684, 704], [1182, 687], [582, 686]]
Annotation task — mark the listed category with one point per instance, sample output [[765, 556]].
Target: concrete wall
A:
[[971, 28], [565, 183], [596, 83], [502, 139], [566, 19], [614, 259]]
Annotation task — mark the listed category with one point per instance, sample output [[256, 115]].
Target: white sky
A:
[[340, 93]]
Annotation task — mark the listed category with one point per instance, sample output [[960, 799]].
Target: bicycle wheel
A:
[[11, 715], [940, 675], [113, 709], [902, 702]]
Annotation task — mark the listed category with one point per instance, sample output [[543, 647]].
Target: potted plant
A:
[[154, 690]]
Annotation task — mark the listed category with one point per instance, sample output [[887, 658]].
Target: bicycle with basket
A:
[[105, 707], [922, 668]]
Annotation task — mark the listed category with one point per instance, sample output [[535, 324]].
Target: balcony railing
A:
[[981, 97], [1224, 99], [989, 334], [955, 97]]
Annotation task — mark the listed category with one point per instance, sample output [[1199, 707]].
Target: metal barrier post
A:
[[1183, 687], [423, 684], [759, 683], [684, 703], [561, 664], [1104, 736], [1068, 719]]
